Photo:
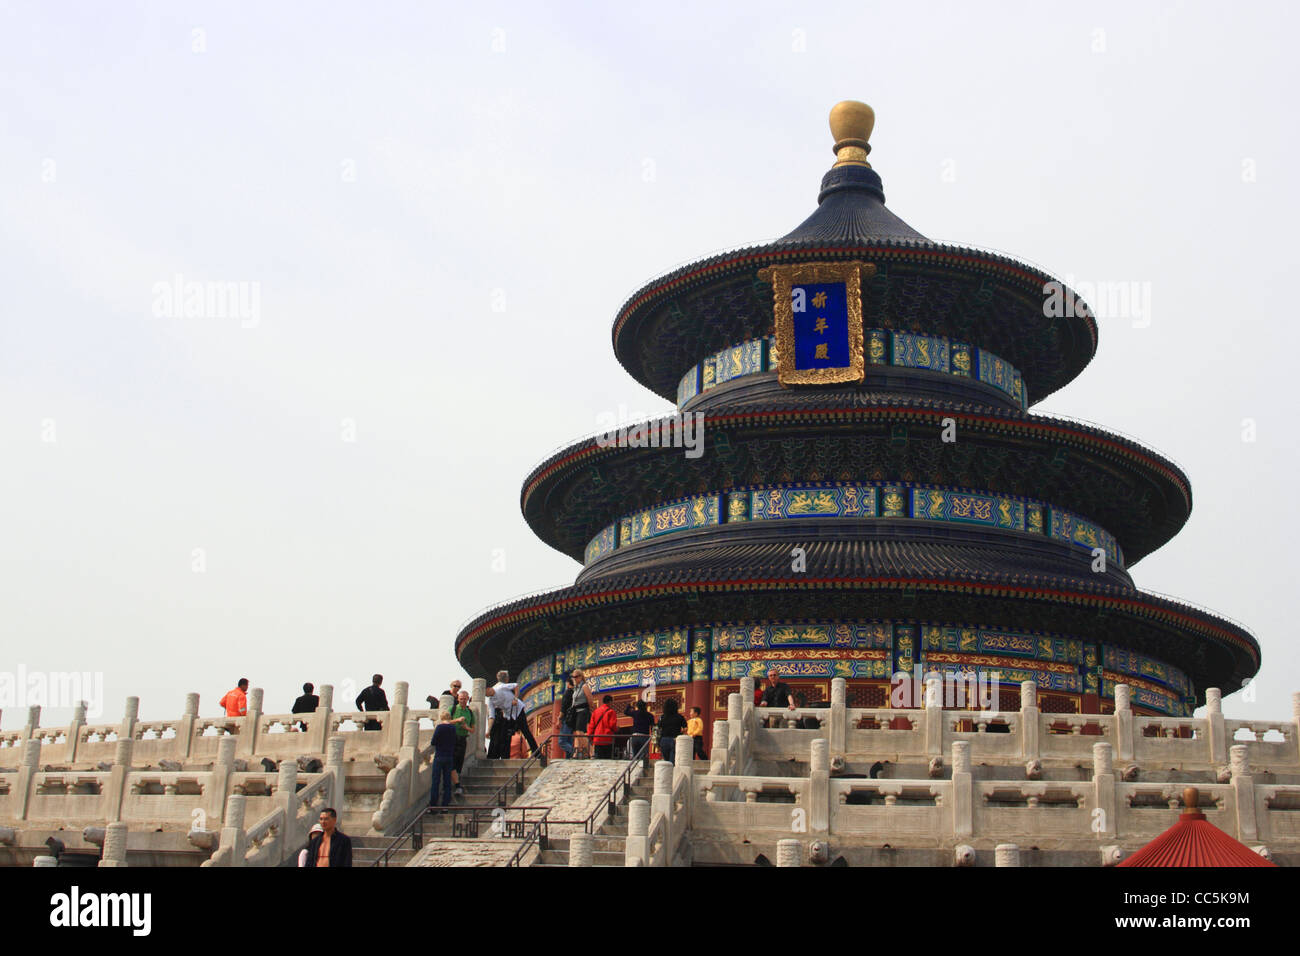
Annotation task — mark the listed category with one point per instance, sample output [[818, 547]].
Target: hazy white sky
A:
[[440, 211]]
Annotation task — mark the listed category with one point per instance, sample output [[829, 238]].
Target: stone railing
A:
[[657, 827], [952, 808], [926, 733], [144, 799], [283, 829], [195, 738], [173, 780]]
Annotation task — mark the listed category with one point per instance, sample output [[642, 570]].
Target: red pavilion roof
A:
[[1194, 841]]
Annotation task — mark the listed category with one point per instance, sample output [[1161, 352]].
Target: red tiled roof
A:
[[1194, 841]]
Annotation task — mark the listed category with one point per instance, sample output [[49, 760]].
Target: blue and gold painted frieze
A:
[[689, 386], [680, 515], [849, 664], [961, 358], [739, 360], [748, 637], [913, 350], [1127, 662], [537, 671], [874, 650], [600, 545], [708, 375], [1065, 526], [983, 640], [992, 511], [623, 647], [1047, 675], [1153, 696], [801, 501], [857, 500], [877, 346], [540, 696], [935, 353]]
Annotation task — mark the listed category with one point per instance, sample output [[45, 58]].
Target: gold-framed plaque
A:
[[818, 309]]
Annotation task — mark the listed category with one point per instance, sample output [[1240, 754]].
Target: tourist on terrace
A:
[[331, 847], [642, 723], [453, 692], [583, 704], [602, 727], [372, 699], [566, 714], [500, 707], [235, 703], [519, 726], [671, 725], [695, 727], [777, 694], [444, 758], [306, 704], [463, 717]]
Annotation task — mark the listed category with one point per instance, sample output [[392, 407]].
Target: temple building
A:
[[869, 495]]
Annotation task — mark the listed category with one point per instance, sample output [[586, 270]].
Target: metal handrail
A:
[[498, 799], [609, 802], [540, 835], [466, 822]]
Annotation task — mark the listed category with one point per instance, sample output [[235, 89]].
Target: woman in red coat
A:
[[601, 728]]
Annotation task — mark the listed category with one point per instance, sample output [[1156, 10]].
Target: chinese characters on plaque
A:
[[818, 312]]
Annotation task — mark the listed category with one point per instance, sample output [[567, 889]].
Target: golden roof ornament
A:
[[851, 125]]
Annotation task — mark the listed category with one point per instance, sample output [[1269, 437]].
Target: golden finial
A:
[[851, 125]]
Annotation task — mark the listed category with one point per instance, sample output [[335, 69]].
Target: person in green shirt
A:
[[461, 709]]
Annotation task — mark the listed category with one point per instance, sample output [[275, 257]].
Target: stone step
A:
[[561, 858], [601, 842]]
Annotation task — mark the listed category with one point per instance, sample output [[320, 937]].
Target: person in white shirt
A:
[[519, 725], [501, 704]]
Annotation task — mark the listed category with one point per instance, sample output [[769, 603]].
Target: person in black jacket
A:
[[306, 704], [671, 726], [331, 848], [777, 693], [642, 722], [371, 699], [566, 729]]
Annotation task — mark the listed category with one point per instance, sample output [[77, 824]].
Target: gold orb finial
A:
[[851, 125]]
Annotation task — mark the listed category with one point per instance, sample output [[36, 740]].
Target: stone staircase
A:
[[480, 781], [610, 837]]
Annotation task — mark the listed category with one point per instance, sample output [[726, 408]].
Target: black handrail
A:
[[517, 779], [539, 834], [609, 802]]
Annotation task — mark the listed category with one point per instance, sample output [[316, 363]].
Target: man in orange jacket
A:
[[236, 701], [601, 729]]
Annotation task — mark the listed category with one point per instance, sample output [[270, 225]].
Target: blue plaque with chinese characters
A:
[[817, 307], [820, 314]]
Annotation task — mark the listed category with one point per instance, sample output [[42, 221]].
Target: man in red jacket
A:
[[601, 729]]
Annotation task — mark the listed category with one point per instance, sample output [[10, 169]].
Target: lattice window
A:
[[868, 695], [1057, 704]]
